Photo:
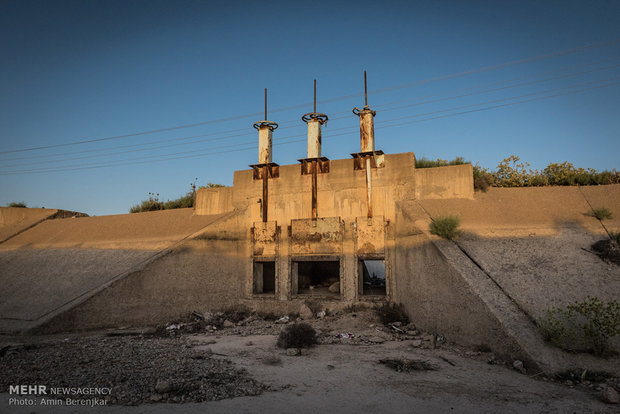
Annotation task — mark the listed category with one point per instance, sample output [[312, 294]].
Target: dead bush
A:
[[236, 313], [315, 306], [390, 312], [408, 365], [299, 335]]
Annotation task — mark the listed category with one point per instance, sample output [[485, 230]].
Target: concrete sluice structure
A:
[[338, 232], [523, 251]]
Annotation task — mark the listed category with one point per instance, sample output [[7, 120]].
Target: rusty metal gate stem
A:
[[369, 186], [265, 192], [314, 190]]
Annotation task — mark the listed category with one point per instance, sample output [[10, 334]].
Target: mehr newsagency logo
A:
[[42, 395]]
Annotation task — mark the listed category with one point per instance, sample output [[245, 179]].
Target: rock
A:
[[163, 386], [283, 319], [518, 365], [609, 395], [228, 324], [321, 315], [156, 397], [305, 312], [412, 333], [304, 352], [376, 340], [397, 324], [293, 351], [416, 343], [335, 287]]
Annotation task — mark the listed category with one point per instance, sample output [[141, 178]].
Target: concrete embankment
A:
[[523, 251], [58, 264]]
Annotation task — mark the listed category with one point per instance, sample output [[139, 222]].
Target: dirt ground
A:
[[343, 373]]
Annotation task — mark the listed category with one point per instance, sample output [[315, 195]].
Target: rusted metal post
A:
[[365, 92], [367, 144], [314, 190], [315, 121], [367, 123], [314, 96], [265, 139], [369, 186], [265, 167], [265, 192]]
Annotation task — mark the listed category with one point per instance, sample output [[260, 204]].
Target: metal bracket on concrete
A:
[[322, 165], [377, 159], [273, 170]]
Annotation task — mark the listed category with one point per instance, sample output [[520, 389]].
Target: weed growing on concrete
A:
[[426, 163], [601, 213], [212, 185], [390, 312], [583, 326], [446, 226], [299, 335]]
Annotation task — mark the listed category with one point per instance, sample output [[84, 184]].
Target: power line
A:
[[151, 148], [128, 162], [502, 105], [503, 99], [402, 86]]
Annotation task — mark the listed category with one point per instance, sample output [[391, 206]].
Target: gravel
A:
[[132, 366]]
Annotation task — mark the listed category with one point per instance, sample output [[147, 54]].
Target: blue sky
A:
[[84, 70]]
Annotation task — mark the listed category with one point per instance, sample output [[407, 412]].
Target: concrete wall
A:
[[454, 181], [434, 293], [214, 200], [200, 275], [58, 264], [341, 192], [14, 220]]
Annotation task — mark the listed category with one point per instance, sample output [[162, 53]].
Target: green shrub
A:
[[426, 163], [582, 326], [512, 173], [390, 312], [299, 335], [186, 201], [152, 204], [19, 204], [601, 213], [615, 236], [566, 174], [483, 179], [212, 185], [446, 226]]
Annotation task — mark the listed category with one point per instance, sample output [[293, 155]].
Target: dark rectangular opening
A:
[[316, 277], [265, 277], [372, 276]]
